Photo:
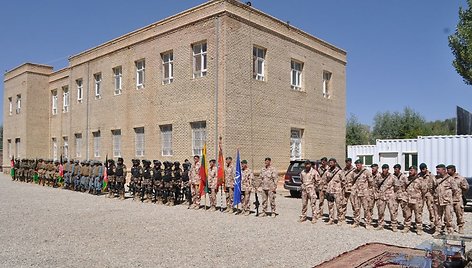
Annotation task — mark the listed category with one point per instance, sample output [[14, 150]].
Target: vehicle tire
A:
[[295, 194]]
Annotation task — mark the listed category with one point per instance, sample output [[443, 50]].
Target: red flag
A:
[[203, 173], [61, 170], [221, 164]]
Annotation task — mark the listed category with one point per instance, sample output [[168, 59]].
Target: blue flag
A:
[[237, 182]]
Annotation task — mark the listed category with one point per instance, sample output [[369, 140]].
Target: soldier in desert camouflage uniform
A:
[[269, 179], [335, 180], [444, 189], [386, 186], [458, 205], [413, 190], [247, 183], [310, 180]]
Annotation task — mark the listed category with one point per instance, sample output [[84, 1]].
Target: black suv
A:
[[292, 176]]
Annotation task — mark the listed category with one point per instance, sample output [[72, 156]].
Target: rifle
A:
[[256, 203]]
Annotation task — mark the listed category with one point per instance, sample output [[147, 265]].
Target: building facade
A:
[[161, 92]]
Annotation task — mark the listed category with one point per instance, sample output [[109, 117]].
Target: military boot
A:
[[406, 229], [302, 219]]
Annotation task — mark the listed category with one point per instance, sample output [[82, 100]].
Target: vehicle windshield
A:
[[297, 167]]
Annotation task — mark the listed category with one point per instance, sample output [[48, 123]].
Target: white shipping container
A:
[[449, 150]]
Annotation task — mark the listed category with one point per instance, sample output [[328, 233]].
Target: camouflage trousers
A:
[[246, 201], [321, 197], [309, 196], [268, 196], [195, 190], [444, 213], [336, 204], [346, 199], [428, 199], [362, 202], [371, 203], [409, 208], [213, 197], [229, 197], [459, 211], [392, 205]]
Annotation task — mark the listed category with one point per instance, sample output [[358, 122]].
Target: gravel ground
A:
[[47, 227]]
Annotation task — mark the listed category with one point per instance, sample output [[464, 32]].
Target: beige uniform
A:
[[269, 179], [458, 205], [428, 180], [247, 184], [373, 192], [335, 180], [322, 187], [347, 173], [360, 181], [195, 182], [212, 184], [444, 189], [413, 190], [310, 180], [229, 183], [400, 193], [386, 186]]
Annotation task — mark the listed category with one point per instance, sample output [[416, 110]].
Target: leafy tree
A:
[[406, 125], [357, 133], [461, 44]]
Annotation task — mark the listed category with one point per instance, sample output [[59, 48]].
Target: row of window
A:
[[409, 159], [18, 104], [198, 139]]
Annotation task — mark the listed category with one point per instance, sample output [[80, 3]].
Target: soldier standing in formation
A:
[[229, 183], [212, 184], [348, 169], [269, 179], [334, 194], [195, 182], [310, 180], [444, 189], [413, 190], [386, 187], [322, 186], [428, 180], [247, 183], [458, 205], [360, 179]]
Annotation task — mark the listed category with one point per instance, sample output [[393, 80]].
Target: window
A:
[[18, 103], [296, 144], [366, 159], [199, 60], [65, 141], [117, 74], [166, 140], [297, 68], [54, 148], [326, 84], [10, 102], [54, 102], [9, 148], [17, 147], [140, 65], [259, 63], [411, 159], [139, 141], [96, 143], [65, 99], [198, 137], [78, 145], [167, 68], [116, 142], [98, 83], [80, 90]]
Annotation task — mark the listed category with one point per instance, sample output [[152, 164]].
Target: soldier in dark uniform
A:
[[21, 170], [167, 179], [146, 185], [111, 178], [176, 183], [157, 181], [77, 173], [120, 175], [135, 182], [186, 182]]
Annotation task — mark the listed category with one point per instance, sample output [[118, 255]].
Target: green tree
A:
[[461, 44], [406, 125], [357, 133]]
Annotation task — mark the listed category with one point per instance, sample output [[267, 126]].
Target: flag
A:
[[12, 169], [237, 181], [221, 165], [203, 173], [105, 175], [61, 170]]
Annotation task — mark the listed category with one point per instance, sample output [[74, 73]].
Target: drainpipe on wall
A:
[[217, 45]]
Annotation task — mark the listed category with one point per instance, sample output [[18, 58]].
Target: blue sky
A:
[[398, 53]]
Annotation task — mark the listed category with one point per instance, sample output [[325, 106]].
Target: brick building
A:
[[220, 69]]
